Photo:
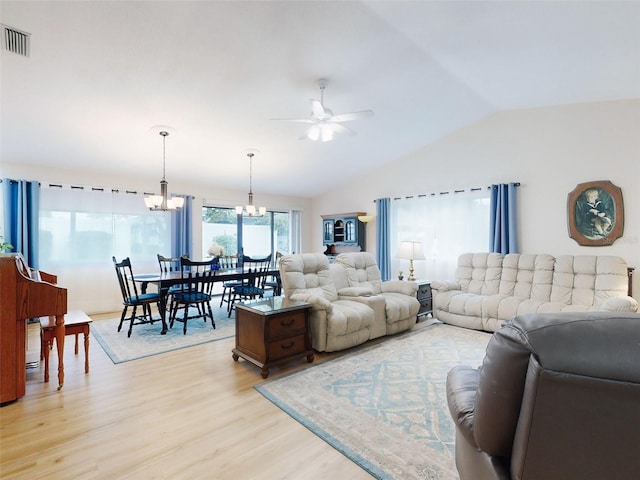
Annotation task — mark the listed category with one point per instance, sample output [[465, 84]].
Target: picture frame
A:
[[595, 213]]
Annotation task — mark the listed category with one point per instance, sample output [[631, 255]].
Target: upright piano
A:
[[25, 293]]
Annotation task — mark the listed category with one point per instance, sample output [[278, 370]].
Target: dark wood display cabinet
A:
[[343, 229]]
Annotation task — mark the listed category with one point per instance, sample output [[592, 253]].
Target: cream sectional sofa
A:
[[350, 304], [491, 288]]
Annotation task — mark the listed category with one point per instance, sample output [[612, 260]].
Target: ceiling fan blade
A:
[[347, 117], [341, 128], [317, 109]]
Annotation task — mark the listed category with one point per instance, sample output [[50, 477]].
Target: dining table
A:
[[165, 280]]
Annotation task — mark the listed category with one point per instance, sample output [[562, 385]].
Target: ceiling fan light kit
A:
[[324, 123]]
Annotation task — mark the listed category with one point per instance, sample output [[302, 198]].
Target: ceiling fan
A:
[[324, 124]]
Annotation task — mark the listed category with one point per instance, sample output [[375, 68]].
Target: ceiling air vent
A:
[[15, 41]]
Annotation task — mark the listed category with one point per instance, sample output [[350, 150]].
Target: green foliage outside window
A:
[[228, 242]]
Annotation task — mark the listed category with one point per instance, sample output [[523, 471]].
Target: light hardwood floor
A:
[[188, 414]]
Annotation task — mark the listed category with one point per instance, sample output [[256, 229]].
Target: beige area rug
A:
[[384, 406], [146, 340]]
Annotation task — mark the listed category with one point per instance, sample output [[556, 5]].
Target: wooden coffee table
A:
[[272, 330]]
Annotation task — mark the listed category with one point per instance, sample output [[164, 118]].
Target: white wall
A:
[[548, 150]]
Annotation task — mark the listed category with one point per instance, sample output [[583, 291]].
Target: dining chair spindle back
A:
[[251, 286], [273, 282], [228, 262], [197, 286], [131, 297]]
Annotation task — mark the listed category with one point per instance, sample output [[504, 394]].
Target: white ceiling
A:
[[101, 74]]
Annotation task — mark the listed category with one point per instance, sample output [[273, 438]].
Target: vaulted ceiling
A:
[[101, 74]]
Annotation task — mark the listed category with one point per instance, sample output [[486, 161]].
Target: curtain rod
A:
[[102, 189], [462, 190]]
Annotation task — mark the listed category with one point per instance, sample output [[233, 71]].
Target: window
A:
[[81, 229], [447, 225], [254, 236], [81, 226]]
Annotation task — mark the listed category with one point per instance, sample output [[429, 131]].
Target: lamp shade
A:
[[411, 251]]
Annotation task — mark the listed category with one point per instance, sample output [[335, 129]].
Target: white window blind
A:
[[81, 229], [446, 224]]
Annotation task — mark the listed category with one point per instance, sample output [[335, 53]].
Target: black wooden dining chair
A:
[[272, 282], [196, 291], [253, 274], [227, 262], [170, 265], [131, 297]]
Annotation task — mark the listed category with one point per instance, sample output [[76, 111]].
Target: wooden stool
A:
[[75, 322]]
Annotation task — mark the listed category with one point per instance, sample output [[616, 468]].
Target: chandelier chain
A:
[[164, 151], [250, 155]]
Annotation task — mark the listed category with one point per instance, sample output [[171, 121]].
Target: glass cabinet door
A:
[[327, 229], [350, 231]]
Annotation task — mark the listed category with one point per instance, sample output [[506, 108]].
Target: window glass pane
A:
[[219, 227], [261, 236], [256, 236], [282, 232]]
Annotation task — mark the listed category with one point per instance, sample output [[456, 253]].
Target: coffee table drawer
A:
[[287, 347], [286, 325]]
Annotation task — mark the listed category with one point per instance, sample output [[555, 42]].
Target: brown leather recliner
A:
[[557, 398]]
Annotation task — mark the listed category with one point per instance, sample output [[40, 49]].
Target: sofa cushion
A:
[[397, 307], [462, 303], [479, 273], [362, 271], [527, 276], [307, 273], [348, 324], [619, 304], [588, 280]]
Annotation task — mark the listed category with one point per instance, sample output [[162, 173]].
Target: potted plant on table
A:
[[216, 251]]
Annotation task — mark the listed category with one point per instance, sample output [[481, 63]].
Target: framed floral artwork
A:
[[595, 213]]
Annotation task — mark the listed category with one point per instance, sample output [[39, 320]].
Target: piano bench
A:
[[75, 323]]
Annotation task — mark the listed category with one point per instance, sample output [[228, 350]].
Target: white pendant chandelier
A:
[[250, 210], [162, 202]]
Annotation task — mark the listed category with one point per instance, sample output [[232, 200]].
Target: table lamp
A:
[[411, 251]]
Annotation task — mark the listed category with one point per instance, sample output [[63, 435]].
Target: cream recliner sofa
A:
[[491, 288], [336, 324], [398, 311]]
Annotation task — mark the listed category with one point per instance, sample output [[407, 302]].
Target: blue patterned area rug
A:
[[385, 406], [146, 340]]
